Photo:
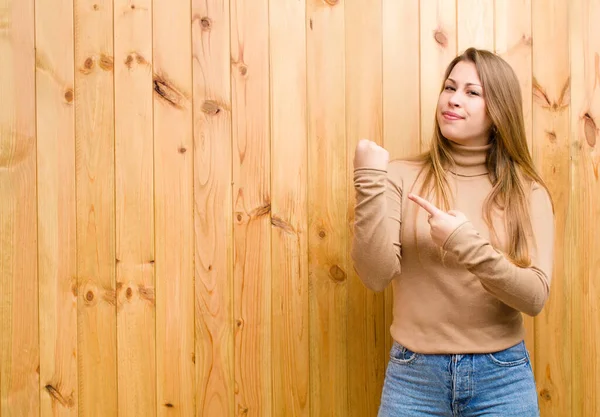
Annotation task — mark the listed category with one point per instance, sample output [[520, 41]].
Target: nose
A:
[[454, 99]]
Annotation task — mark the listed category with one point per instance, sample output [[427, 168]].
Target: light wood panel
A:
[[290, 345], [364, 119], [513, 42], [475, 24], [19, 344], [95, 174], [252, 207], [134, 183], [174, 218], [213, 209], [551, 107], [401, 96], [55, 108], [437, 48], [327, 194], [583, 231]]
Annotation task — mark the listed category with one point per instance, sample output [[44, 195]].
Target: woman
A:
[[465, 235]]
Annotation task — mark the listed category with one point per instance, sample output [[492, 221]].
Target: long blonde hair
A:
[[510, 165]]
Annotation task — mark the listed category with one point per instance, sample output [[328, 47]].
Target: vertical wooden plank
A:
[[213, 208], [327, 198], [401, 101], [252, 205], [19, 346], [134, 208], [513, 43], [475, 24], [438, 48], [551, 96], [290, 344], [56, 208], [94, 127], [583, 259], [173, 188], [364, 118]]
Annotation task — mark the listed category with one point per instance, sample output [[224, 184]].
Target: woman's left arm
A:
[[524, 289]]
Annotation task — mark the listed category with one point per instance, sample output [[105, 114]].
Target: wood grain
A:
[[134, 160], [252, 207], [583, 230], [19, 344], [327, 199], [95, 166], [289, 262], [475, 24], [551, 106], [174, 217], [213, 209], [401, 98], [57, 217], [512, 23], [438, 48], [367, 358]]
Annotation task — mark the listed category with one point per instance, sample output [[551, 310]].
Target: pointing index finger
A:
[[426, 205]]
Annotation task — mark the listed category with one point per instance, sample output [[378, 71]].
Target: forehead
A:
[[465, 72]]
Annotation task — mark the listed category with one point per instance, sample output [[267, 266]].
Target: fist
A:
[[368, 154]]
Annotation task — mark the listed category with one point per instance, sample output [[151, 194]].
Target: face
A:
[[461, 111]]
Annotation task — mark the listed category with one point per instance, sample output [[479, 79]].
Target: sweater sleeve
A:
[[524, 289], [376, 247]]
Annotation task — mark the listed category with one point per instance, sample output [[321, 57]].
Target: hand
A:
[[442, 224], [368, 154]]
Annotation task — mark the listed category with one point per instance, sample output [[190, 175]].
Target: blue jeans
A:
[[498, 384]]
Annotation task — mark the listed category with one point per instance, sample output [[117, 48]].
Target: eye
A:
[[449, 88], [473, 93]]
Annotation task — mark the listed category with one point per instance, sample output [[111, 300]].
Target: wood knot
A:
[[590, 129], [440, 37], [133, 7], [106, 62], [182, 149], [337, 273], [239, 217], [128, 293], [322, 234], [96, 7], [243, 69], [239, 322], [206, 23], [210, 107], [169, 405], [545, 394], [69, 95], [89, 296], [88, 64], [210, 267], [129, 61]]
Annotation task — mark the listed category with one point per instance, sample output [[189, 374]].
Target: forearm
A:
[[376, 241], [524, 289]]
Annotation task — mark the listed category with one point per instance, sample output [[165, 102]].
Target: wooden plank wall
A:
[[176, 196]]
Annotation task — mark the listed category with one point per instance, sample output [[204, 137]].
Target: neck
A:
[[469, 161]]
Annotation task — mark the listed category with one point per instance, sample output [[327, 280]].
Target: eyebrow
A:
[[468, 84]]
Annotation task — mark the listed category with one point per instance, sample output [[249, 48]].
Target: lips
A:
[[452, 116]]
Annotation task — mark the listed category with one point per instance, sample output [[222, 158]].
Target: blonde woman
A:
[[464, 234]]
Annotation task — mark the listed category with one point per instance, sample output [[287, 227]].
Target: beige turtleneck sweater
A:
[[470, 303]]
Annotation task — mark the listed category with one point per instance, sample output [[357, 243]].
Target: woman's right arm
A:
[[376, 246]]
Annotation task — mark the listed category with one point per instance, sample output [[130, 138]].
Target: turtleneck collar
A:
[[469, 160]]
